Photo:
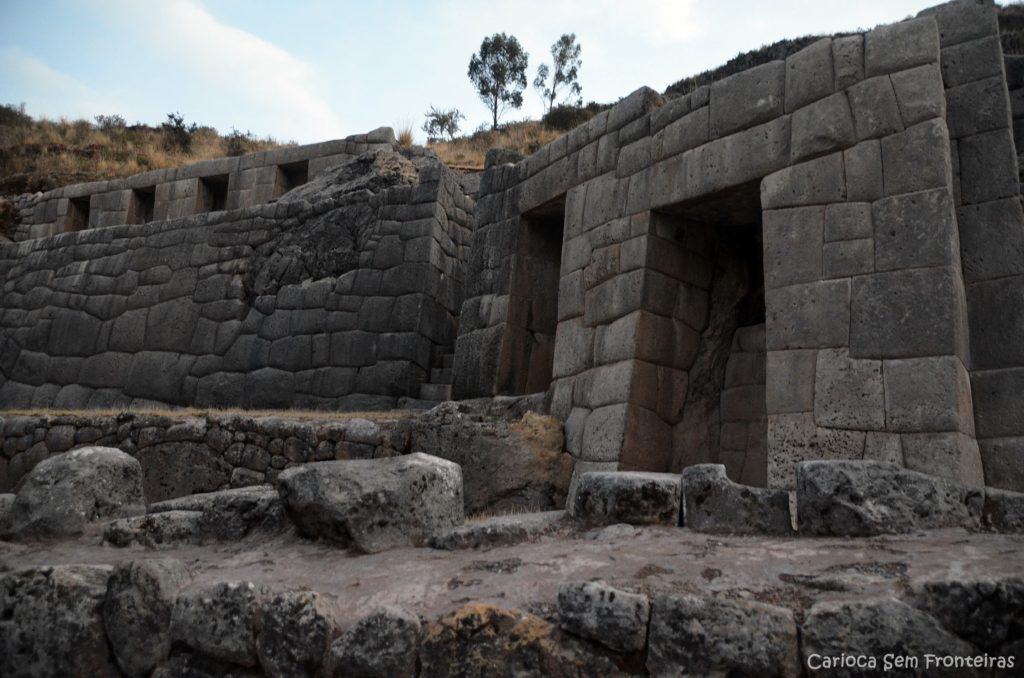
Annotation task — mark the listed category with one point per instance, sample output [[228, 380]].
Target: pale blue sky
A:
[[319, 69]]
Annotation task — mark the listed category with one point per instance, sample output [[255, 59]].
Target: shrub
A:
[[442, 123], [178, 135], [110, 122], [14, 116], [565, 118]]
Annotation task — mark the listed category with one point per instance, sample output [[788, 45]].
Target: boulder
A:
[[598, 612], [137, 612], [874, 628], [506, 465], [230, 515], [383, 645], [609, 497], [375, 504], [155, 530], [865, 498], [712, 636], [64, 494], [51, 623], [713, 503], [294, 635], [1003, 512], [219, 621], [984, 611], [500, 531], [484, 640]]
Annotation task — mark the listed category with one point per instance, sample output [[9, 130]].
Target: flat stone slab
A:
[[375, 504], [865, 498], [713, 503], [500, 530], [609, 497], [232, 514], [156, 530]]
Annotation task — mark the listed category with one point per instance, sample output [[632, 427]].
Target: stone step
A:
[[436, 391], [441, 375]]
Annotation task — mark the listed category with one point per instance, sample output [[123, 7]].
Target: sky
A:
[[311, 70]]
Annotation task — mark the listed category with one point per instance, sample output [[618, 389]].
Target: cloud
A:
[[263, 85], [48, 92]]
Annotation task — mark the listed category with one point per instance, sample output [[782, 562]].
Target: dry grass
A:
[[389, 415], [508, 512], [522, 137], [38, 155], [404, 133]]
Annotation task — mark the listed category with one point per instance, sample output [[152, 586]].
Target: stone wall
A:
[[883, 197], [177, 192], [343, 294]]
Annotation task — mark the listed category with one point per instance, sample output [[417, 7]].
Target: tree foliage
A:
[[498, 72], [178, 135], [442, 123], [564, 72]]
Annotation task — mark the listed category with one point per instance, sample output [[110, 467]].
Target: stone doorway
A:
[[78, 215], [529, 348]]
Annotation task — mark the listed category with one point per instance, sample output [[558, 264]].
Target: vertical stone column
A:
[[991, 230], [866, 316]]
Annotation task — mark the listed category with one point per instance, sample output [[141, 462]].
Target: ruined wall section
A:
[[340, 298], [983, 99], [176, 192]]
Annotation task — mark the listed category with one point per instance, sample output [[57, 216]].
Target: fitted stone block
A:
[[928, 394], [979, 106], [821, 127], [876, 112], [790, 381], [809, 75], [792, 245], [917, 159], [847, 258], [972, 60], [815, 182], [997, 323], [998, 401], [848, 221], [988, 167], [863, 167], [900, 46], [907, 314], [991, 239], [748, 98], [848, 60], [848, 393], [920, 94], [915, 230], [812, 315]]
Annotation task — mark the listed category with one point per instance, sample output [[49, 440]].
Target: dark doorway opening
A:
[[528, 352], [212, 195], [78, 215], [140, 208], [290, 176]]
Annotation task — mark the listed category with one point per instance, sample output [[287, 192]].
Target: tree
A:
[[498, 72], [565, 57], [178, 135], [442, 123]]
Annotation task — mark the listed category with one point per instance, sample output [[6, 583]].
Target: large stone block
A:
[[900, 46], [876, 112], [998, 402], [815, 182], [605, 498], [713, 503], [848, 60], [915, 230], [962, 21], [812, 315], [374, 505], [988, 167], [748, 98], [793, 438], [863, 167], [996, 309], [1003, 462], [604, 433], [848, 393], [928, 394], [616, 619], [976, 107], [917, 158], [790, 381], [689, 131], [920, 94], [219, 621], [792, 245], [821, 127], [712, 636], [848, 221], [847, 258], [950, 455], [809, 75], [866, 498], [907, 314], [972, 60], [991, 239]]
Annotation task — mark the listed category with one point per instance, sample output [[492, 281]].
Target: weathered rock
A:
[[1004, 510], [229, 515], [374, 505], [137, 612], [874, 628], [500, 530], [382, 645], [154, 530], [219, 621], [711, 636], [483, 640], [713, 503], [865, 498], [184, 662], [594, 610], [984, 611], [65, 493], [6, 502], [51, 623], [607, 497], [294, 635], [505, 465]]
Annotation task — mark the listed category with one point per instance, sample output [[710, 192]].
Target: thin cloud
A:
[[46, 91]]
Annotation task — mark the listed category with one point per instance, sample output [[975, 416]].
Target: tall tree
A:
[[566, 64], [498, 72]]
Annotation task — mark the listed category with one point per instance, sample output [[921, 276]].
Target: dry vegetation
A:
[[41, 154], [522, 137]]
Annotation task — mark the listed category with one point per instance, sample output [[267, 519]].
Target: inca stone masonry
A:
[[817, 258]]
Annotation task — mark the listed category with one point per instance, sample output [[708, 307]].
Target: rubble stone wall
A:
[[885, 193], [332, 298]]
